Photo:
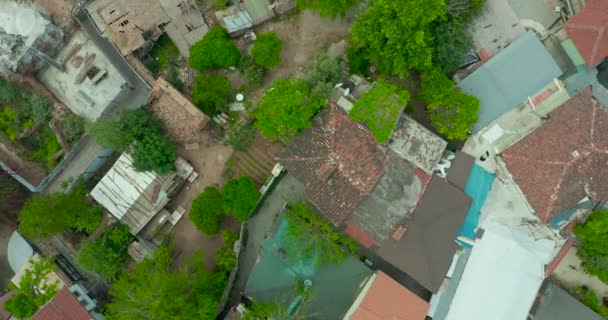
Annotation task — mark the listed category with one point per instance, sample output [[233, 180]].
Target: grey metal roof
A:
[[508, 79], [557, 304], [426, 250]]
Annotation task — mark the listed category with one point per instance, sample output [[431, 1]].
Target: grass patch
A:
[[46, 145]]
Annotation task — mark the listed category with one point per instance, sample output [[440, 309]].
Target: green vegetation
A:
[[328, 8], [464, 10], [357, 63], [240, 197], [153, 291], [311, 235], [174, 79], [324, 73], [593, 247], [589, 298], [267, 50], [107, 254], [69, 211], [214, 51], [452, 44], [207, 210], [253, 72], [452, 112], [72, 127], [240, 136], [210, 93], [380, 108], [140, 134], [163, 53], [286, 109], [220, 4], [396, 35], [229, 238], [9, 92], [225, 259], [33, 290]]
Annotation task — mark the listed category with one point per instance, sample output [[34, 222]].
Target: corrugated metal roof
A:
[[517, 72], [238, 21]]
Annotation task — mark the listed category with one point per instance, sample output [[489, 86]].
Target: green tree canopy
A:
[[210, 92], [240, 197], [380, 108], [253, 72], [33, 291], [286, 109], [324, 73], [267, 50], [328, 8], [311, 235], [452, 112], [396, 35], [69, 210], [207, 210], [452, 44], [240, 136], [214, 51], [593, 248], [140, 134], [106, 255], [153, 291]]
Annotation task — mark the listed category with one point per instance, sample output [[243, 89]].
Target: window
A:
[[92, 72], [189, 27], [124, 23], [163, 25]]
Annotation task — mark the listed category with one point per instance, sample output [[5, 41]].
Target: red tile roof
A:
[[337, 160], [565, 160], [589, 31], [63, 306], [387, 299]]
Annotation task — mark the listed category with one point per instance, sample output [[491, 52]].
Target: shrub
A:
[[9, 92], [174, 79], [106, 255], [240, 136], [72, 127], [229, 237], [214, 51], [210, 92], [324, 73], [253, 72], [267, 50], [240, 197], [286, 109], [225, 259], [207, 210], [39, 107], [357, 63]]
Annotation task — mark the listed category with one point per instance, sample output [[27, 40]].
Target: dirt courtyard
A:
[[209, 161]]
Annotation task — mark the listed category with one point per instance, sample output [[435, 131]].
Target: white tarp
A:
[[502, 277], [19, 251]]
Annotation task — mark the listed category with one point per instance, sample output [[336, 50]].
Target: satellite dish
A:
[[338, 85], [240, 97], [346, 92]]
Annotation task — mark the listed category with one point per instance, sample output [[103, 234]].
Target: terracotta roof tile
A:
[[387, 299], [63, 306], [565, 160], [337, 160], [589, 31]]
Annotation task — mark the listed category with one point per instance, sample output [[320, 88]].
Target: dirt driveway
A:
[[209, 161]]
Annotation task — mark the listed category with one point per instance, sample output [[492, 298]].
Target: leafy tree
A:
[[229, 237], [154, 152], [69, 211], [380, 108], [267, 50], [463, 10], [210, 92], [240, 197], [33, 291], [328, 8], [106, 255], [140, 134], [214, 51], [357, 63], [253, 72], [396, 35], [220, 4], [207, 210], [452, 112], [39, 107], [174, 79], [311, 235], [225, 259], [240, 136], [72, 127], [593, 248], [452, 44], [9, 92], [286, 109], [152, 291], [324, 73]]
